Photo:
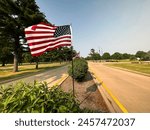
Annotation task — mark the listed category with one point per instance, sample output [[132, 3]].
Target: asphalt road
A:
[[132, 90], [50, 76]]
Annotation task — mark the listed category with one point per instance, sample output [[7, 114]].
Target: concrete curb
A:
[[112, 103]]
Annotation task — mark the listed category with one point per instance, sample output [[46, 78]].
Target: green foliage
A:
[[36, 98], [126, 56], [106, 56], [93, 55], [16, 15], [80, 68], [5, 55], [27, 58], [117, 56], [140, 54], [143, 55], [142, 67], [132, 57]]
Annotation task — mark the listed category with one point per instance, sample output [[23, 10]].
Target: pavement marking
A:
[[59, 81], [124, 110]]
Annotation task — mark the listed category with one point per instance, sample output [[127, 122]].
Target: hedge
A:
[[36, 98], [80, 68]]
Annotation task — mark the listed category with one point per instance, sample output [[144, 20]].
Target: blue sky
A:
[[106, 25]]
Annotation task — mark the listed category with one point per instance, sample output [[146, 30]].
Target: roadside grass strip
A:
[[139, 68]]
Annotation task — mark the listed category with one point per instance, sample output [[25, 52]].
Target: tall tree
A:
[[5, 50], [117, 56], [140, 54], [126, 56], [106, 56], [5, 55], [94, 55], [15, 16], [92, 51]]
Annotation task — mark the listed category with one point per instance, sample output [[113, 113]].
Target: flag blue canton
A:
[[62, 30]]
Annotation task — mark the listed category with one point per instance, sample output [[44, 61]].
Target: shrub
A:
[[80, 68], [30, 98]]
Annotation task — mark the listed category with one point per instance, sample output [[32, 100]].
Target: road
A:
[[50, 76], [132, 90]]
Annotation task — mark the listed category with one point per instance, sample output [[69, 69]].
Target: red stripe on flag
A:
[[42, 47], [38, 27], [37, 32], [45, 41], [38, 37], [48, 49]]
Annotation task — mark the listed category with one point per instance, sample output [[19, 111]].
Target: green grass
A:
[[6, 72], [143, 68]]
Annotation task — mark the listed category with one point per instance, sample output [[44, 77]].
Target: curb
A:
[[111, 101]]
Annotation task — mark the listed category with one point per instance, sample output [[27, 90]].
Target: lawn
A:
[[6, 72], [143, 68]]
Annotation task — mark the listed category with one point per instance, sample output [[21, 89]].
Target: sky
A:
[[104, 25]]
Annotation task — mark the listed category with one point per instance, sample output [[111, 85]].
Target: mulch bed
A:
[[86, 93]]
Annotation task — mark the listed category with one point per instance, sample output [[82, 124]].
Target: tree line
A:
[[62, 54], [57, 55], [140, 55]]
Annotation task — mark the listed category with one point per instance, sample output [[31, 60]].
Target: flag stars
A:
[[62, 30]]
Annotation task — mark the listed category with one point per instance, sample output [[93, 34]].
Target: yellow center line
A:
[[124, 110]]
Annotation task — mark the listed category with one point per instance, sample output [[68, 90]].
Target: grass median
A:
[[137, 67], [6, 72]]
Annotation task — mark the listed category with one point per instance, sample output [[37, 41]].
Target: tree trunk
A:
[[3, 62], [16, 47], [37, 63], [15, 62]]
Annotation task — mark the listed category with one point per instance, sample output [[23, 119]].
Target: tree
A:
[[16, 15], [93, 55], [92, 51], [5, 55], [126, 56], [96, 56], [140, 54], [59, 54], [5, 51], [106, 56], [67, 53], [117, 56], [27, 57], [147, 57], [132, 57]]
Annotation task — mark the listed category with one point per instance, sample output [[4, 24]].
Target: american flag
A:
[[43, 37]]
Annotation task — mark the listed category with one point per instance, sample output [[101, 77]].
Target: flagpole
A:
[[72, 63], [72, 73]]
